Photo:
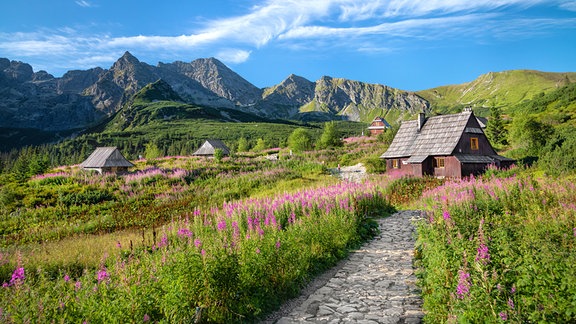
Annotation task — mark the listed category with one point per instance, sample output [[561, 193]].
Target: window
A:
[[474, 143], [395, 164], [439, 162]]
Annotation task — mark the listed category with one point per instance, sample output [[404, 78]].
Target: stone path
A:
[[375, 284], [353, 173]]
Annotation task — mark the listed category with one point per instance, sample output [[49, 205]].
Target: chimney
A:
[[421, 120]]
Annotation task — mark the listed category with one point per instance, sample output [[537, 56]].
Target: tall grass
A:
[[499, 250], [232, 263]]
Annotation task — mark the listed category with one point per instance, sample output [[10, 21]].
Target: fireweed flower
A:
[[510, 303], [446, 215], [184, 232], [197, 243], [78, 285], [18, 276], [66, 278], [482, 254], [221, 225], [102, 275], [503, 316], [277, 244], [463, 288], [146, 318]]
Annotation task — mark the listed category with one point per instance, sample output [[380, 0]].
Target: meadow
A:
[[183, 239], [179, 238], [499, 248]]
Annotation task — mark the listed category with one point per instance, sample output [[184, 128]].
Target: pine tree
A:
[[300, 140], [242, 145], [330, 136], [495, 129]]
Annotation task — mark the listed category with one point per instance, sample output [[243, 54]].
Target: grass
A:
[[229, 264], [499, 249]]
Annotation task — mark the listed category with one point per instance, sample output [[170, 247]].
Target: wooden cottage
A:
[[106, 160], [209, 147], [378, 126], [451, 146]]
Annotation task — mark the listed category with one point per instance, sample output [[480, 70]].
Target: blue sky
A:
[[407, 44]]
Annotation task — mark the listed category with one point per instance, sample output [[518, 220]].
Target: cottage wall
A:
[[484, 147], [452, 168], [403, 168]]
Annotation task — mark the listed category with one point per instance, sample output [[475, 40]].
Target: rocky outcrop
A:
[[80, 99]]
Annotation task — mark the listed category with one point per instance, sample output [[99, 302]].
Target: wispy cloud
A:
[[356, 24], [84, 3], [234, 56]]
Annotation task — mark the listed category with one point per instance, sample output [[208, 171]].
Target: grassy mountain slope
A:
[[501, 89], [555, 108]]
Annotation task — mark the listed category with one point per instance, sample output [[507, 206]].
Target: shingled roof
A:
[[104, 157], [439, 136], [210, 146]]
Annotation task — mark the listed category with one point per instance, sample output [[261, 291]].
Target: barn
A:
[[451, 146], [106, 160], [209, 147]]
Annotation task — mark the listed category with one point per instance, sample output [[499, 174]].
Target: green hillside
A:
[[498, 89], [553, 108]]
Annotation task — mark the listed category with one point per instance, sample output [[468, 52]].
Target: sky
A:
[[407, 44]]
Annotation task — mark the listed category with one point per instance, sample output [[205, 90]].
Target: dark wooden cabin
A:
[[452, 146], [378, 126]]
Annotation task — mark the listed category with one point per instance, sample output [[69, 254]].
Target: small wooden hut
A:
[[106, 160], [210, 146], [378, 126]]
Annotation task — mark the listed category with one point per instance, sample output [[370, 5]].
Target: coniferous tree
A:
[[330, 136], [242, 145], [495, 129], [300, 140]]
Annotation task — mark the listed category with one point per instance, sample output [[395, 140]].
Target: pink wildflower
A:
[[197, 243], [446, 215], [510, 303], [146, 318], [221, 225], [18, 277], [184, 232], [102, 275], [463, 288], [503, 316], [482, 254], [66, 278]]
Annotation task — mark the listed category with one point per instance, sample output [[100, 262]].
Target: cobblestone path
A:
[[376, 284]]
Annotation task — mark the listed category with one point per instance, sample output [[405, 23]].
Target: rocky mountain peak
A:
[[224, 82], [157, 91], [16, 70]]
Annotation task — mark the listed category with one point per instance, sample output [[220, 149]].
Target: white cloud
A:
[[234, 56], [84, 3], [569, 5], [355, 24]]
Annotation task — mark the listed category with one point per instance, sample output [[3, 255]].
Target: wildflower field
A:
[[499, 249], [216, 250]]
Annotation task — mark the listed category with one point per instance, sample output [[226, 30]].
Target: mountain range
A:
[[84, 98]]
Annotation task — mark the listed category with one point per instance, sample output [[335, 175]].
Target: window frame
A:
[[395, 163], [474, 144], [440, 162]]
